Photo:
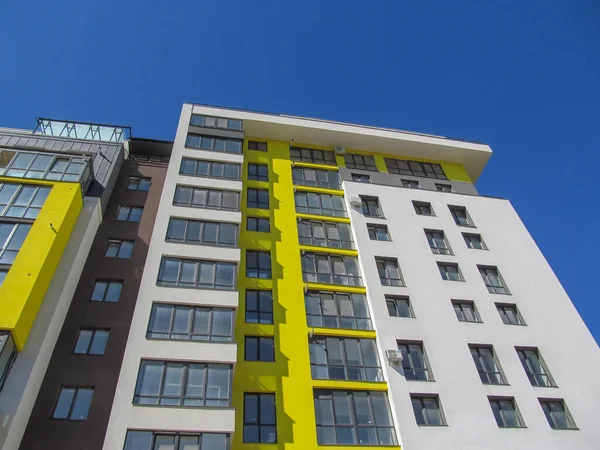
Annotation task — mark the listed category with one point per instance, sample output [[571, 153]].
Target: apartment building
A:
[[296, 283]]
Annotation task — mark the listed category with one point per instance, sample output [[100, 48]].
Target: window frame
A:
[[369, 209], [552, 421], [432, 237], [238, 150], [309, 155], [391, 302], [153, 435], [257, 203], [410, 370], [259, 424], [488, 376], [31, 207], [314, 299], [515, 409], [360, 162], [410, 184], [319, 210], [492, 288], [258, 270], [388, 280], [326, 227], [109, 283], [468, 221], [254, 172], [426, 420], [194, 190], [258, 341], [90, 344], [200, 225], [259, 221], [202, 123], [130, 210], [135, 183], [418, 205], [374, 229], [443, 187], [119, 245], [517, 313], [72, 403], [443, 265], [471, 304], [210, 166], [11, 246], [415, 168], [331, 276], [535, 378], [258, 146], [467, 237], [360, 177], [332, 175], [259, 311], [197, 267]]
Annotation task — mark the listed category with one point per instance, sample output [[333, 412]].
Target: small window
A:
[[129, 213], [557, 414], [260, 224], [461, 216], [443, 187], [438, 242], [257, 146], [73, 403], [258, 198], [487, 364], [506, 413], [106, 291], [259, 349], [91, 342], [209, 169], [337, 310], [414, 361], [138, 184], [360, 162], [389, 272], [450, 272], [413, 184], [493, 280], [427, 409], [371, 207], [258, 172], [206, 198], [258, 264], [399, 306], [260, 418], [361, 178], [259, 306], [309, 155], [535, 367], [466, 311], [378, 232], [119, 249], [423, 208], [474, 241], [509, 313]]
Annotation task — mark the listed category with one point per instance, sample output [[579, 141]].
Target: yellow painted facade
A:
[[27, 281]]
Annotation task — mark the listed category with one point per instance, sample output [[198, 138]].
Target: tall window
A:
[[118, 249], [73, 403], [360, 162], [450, 272], [353, 418], [493, 280], [258, 172], [389, 272], [161, 440], [12, 237], [557, 415], [258, 198], [399, 306], [214, 144], [325, 234], [309, 155], [209, 169], [260, 421], [510, 314], [423, 208], [206, 198], [199, 274], [487, 364], [138, 184], [190, 323], [438, 242], [415, 168], [19, 200], [534, 367], [91, 342], [333, 358], [183, 384], [258, 264], [466, 311], [506, 413], [474, 241], [259, 306], [130, 213], [337, 310], [215, 122], [320, 204], [461, 216], [414, 361], [378, 232], [427, 409], [330, 269], [106, 291], [371, 207], [257, 146], [259, 348], [202, 232], [304, 176]]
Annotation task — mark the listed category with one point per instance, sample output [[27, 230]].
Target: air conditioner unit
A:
[[355, 202], [393, 356], [340, 150]]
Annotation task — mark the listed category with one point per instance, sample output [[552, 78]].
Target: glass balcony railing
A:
[[82, 130]]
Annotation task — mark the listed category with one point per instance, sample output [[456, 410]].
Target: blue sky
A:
[[522, 76]]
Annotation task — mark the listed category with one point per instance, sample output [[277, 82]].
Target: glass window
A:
[[361, 178], [73, 403], [106, 291], [91, 342], [206, 198], [415, 168], [333, 358], [129, 213], [258, 264], [474, 241], [119, 249], [492, 279], [412, 184], [510, 314], [214, 144], [202, 232], [258, 172], [437, 242], [308, 155], [259, 306], [257, 146], [378, 232], [304, 176], [487, 364], [209, 169], [12, 237], [450, 272], [259, 348], [399, 306], [320, 204], [360, 162], [8, 353], [215, 122], [370, 207], [337, 310], [18, 200], [160, 440], [427, 409], [198, 274], [330, 269], [138, 184], [414, 361], [325, 234], [443, 187], [260, 224], [461, 216], [258, 198], [260, 423], [389, 272], [465, 311], [423, 208], [557, 415], [505, 412], [535, 367]]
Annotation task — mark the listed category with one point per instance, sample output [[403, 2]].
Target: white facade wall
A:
[[125, 415], [553, 325]]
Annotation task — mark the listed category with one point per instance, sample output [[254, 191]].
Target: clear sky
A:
[[522, 76]]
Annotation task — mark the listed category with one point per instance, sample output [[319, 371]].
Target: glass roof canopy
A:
[[82, 130]]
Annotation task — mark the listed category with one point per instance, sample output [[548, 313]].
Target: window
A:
[[260, 422], [258, 264], [258, 172], [18, 200], [183, 384], [309, 155], [130, 213], [46, 166], [91, 342], [199, 274], [106, 291], [389, 272], [360, 178], [8, 353], [3, 273], [190, 323], [259, 349], [474, 241], [202, 232], [337, 310], [259, 306], [557, 415], [257, 146], [505, 412], [461, 216], [487, 365], [258, 198], [423, 208], [535, 367], [320, 204], [450, 272], [510, 314], [370, 207], [466, 311], [215, 122], [119, 249], [493, 280], [399, 306], [414, 361], [159, 440], [325, 234], [209, 169], [138, 184], [353, 418], [12, 237], [437, 242], [360, 162], [413, 184], [330, 269], [206, 198], [415, 168], [303, 176], [258, 224], [334, 358], [214, 144], [427, 409], [73, 403], [443, 187], [378, 232]]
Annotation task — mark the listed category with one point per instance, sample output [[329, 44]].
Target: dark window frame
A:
[[264, 315], [255, 172], [319, 210], [500, 287], [210, 165], [314, 300], [420, 206], [258, 270], [90, 344], [360, 177], [434, 242], [258, 341], [257, 201], [141, 184], [468, 236], [415, 363], [361, 162], [258, 221], [270, 427], [410, 184], [118, 244], [347, 278], [501, 307], [72, 403], [499, 415], [375, 230], [194, 190], [154, 437], [258, 146], [444, 265], [461, 216], [233, 146], [131, 210], [415, 168], [546, 405], [392, 305], [323, 178], [388, 280], [423, 419], [201, 227], [540, 377], [197, 267], [326, 228], [371, 206], [488, 365], [313, 156], [109, 283], [202, 122], [461, 304], [442, 187]]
